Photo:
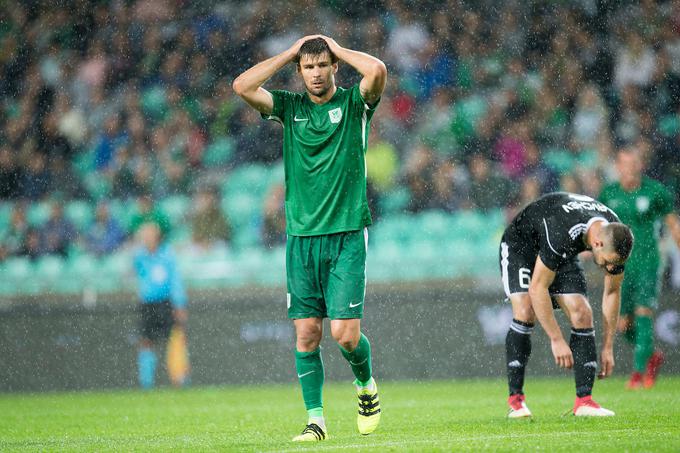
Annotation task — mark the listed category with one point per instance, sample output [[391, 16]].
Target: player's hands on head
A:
[[606, 363], [562, 353], [295, 48]]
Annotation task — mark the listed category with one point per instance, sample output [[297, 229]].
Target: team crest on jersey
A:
[[335, 115], [642, 204]]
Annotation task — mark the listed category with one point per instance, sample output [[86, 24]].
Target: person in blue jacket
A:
[[162, 295]]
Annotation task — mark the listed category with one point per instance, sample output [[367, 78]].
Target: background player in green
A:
[[324, 143], [641, 203]]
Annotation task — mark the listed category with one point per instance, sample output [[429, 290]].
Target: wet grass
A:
[[427, 416]]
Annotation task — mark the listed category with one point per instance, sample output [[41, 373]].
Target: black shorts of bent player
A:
[[517, 259], [156, 320]]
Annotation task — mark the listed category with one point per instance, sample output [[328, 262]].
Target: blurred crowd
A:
[[488, 104]]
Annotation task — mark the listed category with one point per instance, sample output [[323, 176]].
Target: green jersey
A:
[[642, 210], [324, 148]]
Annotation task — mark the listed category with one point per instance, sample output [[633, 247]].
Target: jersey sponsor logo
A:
[[351, 305], [335, 115], [584, 206], [297, 120]]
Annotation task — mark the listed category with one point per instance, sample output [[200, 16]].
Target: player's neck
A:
[[591, 233], [631, 184], [325, 97]]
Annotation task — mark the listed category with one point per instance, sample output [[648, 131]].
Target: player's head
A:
[[612, 247], [317, 65], [629, 165], [149, 235]]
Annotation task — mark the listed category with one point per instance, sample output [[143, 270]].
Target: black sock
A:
[[582, 344], [517, 352]]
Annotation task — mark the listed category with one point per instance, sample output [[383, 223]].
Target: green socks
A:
[[310, 373], [644, 342], [360, 360]]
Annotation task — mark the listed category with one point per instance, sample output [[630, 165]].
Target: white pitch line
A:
[[319, 446]]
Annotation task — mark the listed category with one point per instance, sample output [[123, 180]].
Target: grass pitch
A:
[[417, 416]]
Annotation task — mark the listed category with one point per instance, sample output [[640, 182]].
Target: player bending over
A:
[[540, 270], [325, 132]]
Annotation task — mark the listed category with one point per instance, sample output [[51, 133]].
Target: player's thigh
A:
[[521, 308], [345, 288], [305, 297], [517, 263], [647, 282], [577, 308]]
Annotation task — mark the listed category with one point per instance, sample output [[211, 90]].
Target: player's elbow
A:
[[379, 70], [238, 86]]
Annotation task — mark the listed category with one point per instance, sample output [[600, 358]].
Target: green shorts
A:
[[640, 288], [326, 275]]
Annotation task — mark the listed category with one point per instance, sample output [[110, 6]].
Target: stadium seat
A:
[[38, 213], [5, 216], [218, 153], [394, 201], [177, 209], [80, 213]]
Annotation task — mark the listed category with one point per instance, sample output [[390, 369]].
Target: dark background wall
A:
[[243, 337]]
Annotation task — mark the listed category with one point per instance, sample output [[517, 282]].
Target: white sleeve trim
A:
[[547, 237]]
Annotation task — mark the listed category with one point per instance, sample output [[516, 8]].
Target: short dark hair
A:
[[315, 46], [621, 239]]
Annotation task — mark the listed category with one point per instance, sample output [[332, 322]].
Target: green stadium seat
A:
[[394, 201], [80, 213], [219, 152], [177, 209], [5, 216], [252, 178], [38, 213]]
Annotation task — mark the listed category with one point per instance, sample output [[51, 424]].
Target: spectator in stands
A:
[[149, 212], [36, 180], [14, 237], [57, 234], [32, 246], [11, 175], [105, 234], [488, 189], [209, 227], [274, 218], [418, 175], [109, 141]]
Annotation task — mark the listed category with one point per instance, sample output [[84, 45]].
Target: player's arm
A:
[[372, 69], [673, 224], [541, 280], [611, 302], [249, 84]]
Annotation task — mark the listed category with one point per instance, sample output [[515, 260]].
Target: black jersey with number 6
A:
[[553, 226]]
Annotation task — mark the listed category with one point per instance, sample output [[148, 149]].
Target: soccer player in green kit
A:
[[641, 203], [325, 133]]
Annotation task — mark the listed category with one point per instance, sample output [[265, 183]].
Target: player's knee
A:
[[581, 316], [524, 314], [346, 338], [643, 311], [348, 343], [308, 338]]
